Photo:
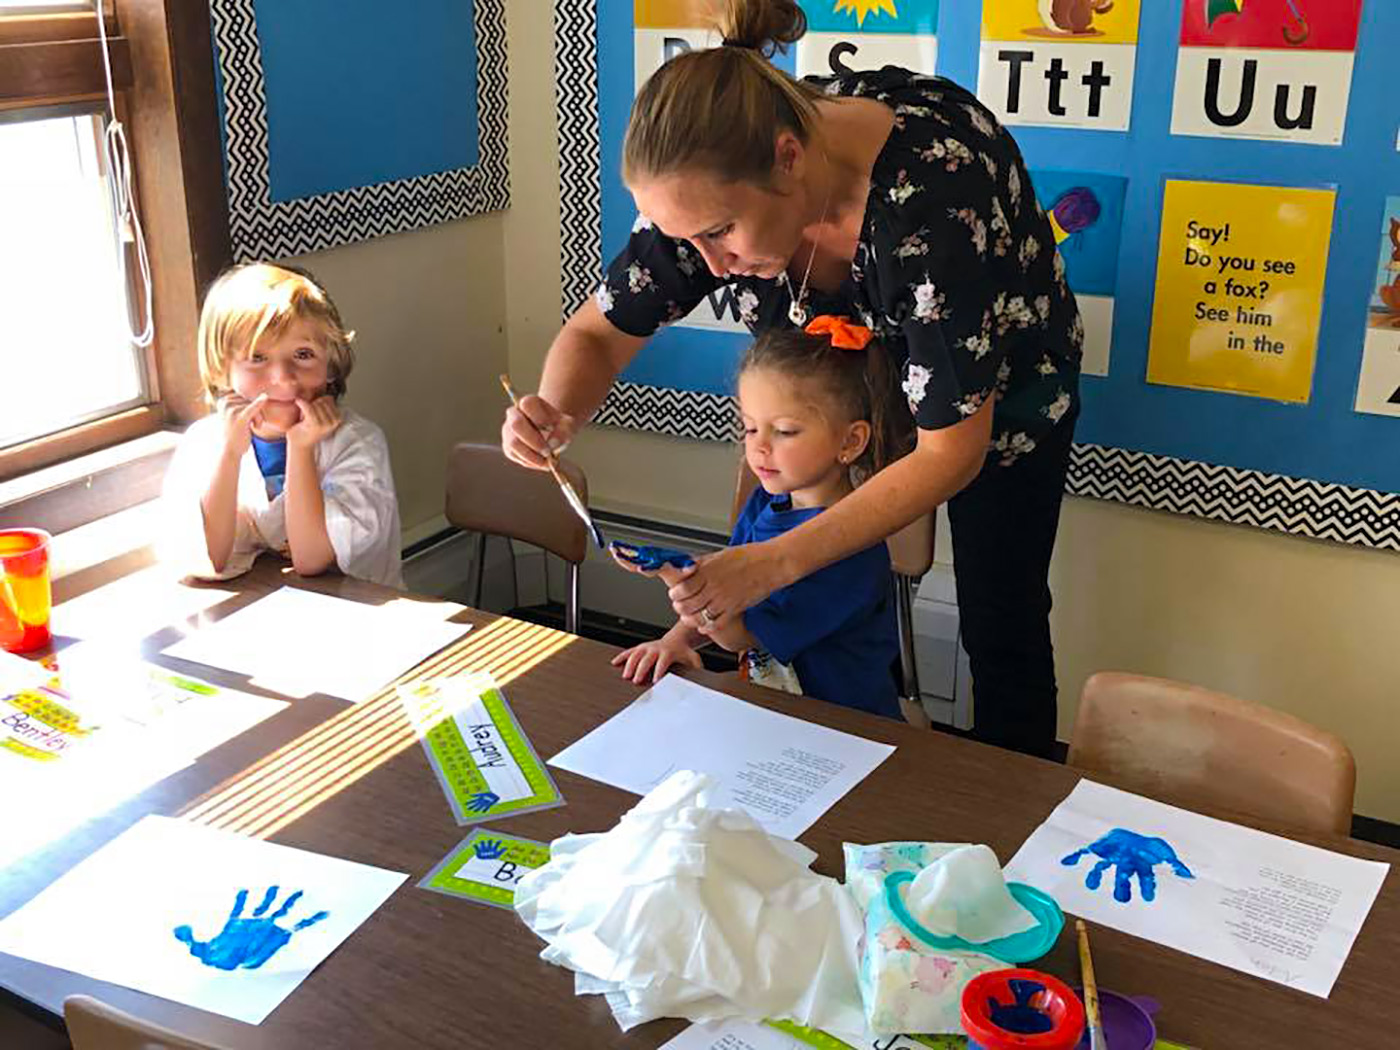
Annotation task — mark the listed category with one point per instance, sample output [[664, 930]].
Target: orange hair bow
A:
[[844, 334]]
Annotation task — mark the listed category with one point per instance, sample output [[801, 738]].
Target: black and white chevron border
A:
[[679, 413], [580, 172], [1242, 497], [262, 229]]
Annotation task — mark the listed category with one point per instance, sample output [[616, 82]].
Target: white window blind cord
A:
[[129, 222]]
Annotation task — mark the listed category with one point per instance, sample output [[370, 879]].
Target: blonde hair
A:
[[721, 110], [255, 300]]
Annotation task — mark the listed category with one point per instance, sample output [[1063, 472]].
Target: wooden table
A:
[[430, 971]]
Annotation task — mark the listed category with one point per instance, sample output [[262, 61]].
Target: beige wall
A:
[[428, 309], [1308, 627]]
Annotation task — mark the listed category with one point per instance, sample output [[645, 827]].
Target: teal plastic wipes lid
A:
[[1018, 948]]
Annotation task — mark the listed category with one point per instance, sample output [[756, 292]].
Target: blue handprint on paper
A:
[[1133, 855], [482, 801], [247, 942], [489, 849]]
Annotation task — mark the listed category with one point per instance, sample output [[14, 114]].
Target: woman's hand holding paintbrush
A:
[[552, 462]]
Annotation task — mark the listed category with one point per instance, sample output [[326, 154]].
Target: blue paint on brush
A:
[[250, 942], [1134, 856]]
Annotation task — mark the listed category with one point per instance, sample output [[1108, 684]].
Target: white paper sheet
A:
[[734, 1035], [17, 673], [785, 772], [145, 723], [749, 1035], [299, 642], [1255, 902], [121, 914], [134, 606]]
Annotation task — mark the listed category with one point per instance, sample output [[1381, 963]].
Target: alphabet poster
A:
[[1240, 273], [1266, 69], [1066, 63], [1285, 458], [846, 35], [1378, 390]]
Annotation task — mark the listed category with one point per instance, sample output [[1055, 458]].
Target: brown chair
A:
[[1167, 738], [93, 1025], [491, 496], [911, 556]]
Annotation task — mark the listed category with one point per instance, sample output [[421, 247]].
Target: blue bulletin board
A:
[[1325, 467], [350, 119]]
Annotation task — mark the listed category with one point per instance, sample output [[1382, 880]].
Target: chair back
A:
[[1168, 738], [489, 494], [93, 1025]]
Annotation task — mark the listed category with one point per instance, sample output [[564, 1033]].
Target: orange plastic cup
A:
[[25, 592]]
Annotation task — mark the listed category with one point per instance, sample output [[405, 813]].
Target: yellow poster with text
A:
[[1240, 274], [1090, 21], [671, 14]]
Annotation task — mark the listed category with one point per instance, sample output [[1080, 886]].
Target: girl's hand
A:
[[319, 419], [724, 584], [669, 574], [646, 663], [532, 427], [239, 415]]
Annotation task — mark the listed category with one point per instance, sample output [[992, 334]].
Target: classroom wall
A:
[[1308, 627], [428, 310]]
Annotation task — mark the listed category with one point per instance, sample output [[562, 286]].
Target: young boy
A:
[[279, 465]]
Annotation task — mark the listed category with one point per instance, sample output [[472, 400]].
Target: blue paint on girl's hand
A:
[[489, 849], [482, 801], [1133, 855], [250, 942]]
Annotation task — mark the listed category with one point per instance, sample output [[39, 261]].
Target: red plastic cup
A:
[[1021, 1010], [25, 592]]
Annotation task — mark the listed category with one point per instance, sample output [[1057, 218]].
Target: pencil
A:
[[1097, 1040]]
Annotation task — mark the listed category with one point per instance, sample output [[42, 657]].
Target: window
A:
[[65, 338], [72, 376]]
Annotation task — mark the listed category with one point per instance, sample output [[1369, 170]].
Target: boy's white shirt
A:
[[362, 510]]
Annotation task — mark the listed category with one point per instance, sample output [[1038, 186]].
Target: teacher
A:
[[899, 198]]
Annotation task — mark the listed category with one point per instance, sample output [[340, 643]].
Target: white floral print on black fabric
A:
[[604, 298], [955, 270]]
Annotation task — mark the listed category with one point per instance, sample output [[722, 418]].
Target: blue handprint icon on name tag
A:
[[482, 801], [250, 942], [1132, 855], [489, 849]]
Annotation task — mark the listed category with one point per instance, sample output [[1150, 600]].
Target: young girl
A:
[[818, 407], [279, 465]]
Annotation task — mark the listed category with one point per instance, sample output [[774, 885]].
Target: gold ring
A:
[[706, 618]]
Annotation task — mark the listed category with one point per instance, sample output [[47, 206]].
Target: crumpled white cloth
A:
[[683, 910]]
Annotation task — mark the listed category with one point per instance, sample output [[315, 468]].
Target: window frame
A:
[[163, 73]]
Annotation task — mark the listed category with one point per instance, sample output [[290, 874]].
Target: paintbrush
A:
[[1097, 1039], [570, 493]]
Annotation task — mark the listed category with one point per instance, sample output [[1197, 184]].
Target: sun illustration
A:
[[866, 7]]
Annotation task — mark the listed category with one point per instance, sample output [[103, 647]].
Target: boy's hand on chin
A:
[[239, 415], [319, 419]]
